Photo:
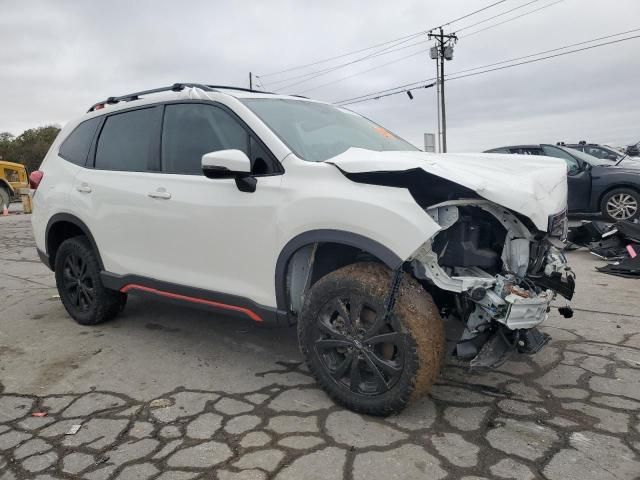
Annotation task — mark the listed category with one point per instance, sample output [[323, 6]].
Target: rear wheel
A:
[[621, 204], [79, 285], [365, 361]]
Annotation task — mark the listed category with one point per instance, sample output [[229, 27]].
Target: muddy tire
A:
[[78, 280], [363, 362]]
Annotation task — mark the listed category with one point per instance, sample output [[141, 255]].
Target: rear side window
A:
[[129, 141], [76, 147], [191, 130]]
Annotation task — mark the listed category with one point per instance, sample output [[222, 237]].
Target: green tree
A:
[[28, 148]]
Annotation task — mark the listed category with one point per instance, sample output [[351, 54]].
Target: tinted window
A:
[[129, 141], [76, 147], [527, 151], [497, 150], [600, 152], [191, 130], [572, 164]]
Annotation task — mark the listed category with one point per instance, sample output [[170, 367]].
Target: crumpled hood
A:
[[534, 186]]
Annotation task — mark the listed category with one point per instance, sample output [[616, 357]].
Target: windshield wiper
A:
[[620, 161]]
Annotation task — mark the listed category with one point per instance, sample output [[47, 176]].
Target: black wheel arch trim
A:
[[351, 239], [67, 217]]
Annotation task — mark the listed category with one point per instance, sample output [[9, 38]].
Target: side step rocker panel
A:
[[222, 302]]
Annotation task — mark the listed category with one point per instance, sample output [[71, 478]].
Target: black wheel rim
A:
[[360, 349], [77, 283]]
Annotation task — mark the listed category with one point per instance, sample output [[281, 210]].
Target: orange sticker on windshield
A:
[[383, 132]]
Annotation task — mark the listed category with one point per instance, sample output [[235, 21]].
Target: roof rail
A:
[[176, 87], [228, 87]]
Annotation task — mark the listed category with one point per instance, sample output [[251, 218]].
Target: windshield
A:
[[317, 131], [591, 160]]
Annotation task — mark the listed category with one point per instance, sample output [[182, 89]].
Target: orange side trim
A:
[[249, 313]]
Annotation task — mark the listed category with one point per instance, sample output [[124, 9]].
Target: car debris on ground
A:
[[618, 243]]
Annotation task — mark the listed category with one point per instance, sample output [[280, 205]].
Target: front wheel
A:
[[366, 361], [621, 204], [78, 280]]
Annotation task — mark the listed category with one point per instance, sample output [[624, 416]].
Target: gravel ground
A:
[[167, 392]]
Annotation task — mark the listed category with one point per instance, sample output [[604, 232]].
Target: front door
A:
[[578, 179], [212, 235]]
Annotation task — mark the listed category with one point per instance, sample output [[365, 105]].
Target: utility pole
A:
[[250, 81], [443, 51], [438, 101]]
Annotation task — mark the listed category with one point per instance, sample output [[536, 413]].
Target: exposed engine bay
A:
[[496, 277]]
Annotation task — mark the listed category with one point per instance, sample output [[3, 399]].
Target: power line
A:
[[496, 16], [365, 71], [383, 91], [392, 91], [511, 19], [469, 26], [546, 51], [426, 85], [406, 37], [318, 73], [469, 14], [343, 55], [547, 57]]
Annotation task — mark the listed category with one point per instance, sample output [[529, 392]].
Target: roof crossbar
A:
[[176, 87]]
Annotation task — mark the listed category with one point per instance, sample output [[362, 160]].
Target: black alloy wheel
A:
[[360, 349], [77, 285], [81, 291]]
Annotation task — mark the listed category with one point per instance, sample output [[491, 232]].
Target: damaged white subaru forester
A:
[[290, 211]]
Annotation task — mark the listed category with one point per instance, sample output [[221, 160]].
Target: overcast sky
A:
[[59, 57]]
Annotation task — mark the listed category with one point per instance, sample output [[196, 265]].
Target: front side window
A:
[[129, 141], [75, 148], [191, 130], [317, 131], [572, 164]]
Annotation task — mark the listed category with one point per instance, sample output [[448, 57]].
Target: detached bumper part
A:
[[503, 343]]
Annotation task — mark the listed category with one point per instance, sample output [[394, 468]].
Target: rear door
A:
[[578, 179], [113, 191]]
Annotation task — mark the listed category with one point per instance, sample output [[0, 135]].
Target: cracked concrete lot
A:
[[168, 392]]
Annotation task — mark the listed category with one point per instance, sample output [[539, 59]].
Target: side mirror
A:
[[230, 164], [611, 157]]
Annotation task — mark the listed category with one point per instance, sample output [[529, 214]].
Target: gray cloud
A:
[[59, 57]]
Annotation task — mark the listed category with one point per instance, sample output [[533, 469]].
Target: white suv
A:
[[286, 210]]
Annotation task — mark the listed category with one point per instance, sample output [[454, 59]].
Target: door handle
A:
[[160, 194], [84, 188]]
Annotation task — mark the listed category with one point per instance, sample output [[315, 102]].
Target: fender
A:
[[69, 218], [366, 244]]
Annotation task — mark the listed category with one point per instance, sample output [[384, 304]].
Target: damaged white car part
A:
[[487, 270]]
